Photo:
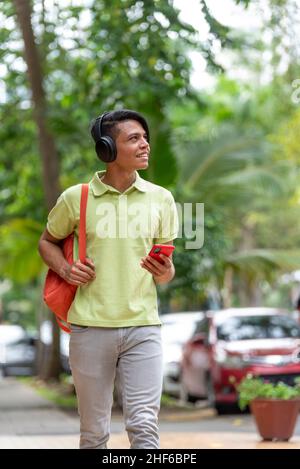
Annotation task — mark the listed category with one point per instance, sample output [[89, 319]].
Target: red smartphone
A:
[[158, 249]]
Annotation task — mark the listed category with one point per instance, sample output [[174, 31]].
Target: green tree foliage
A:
[[229, 161], [220, 148], [95, 57]]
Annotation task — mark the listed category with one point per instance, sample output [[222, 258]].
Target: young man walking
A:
[[114, 317]]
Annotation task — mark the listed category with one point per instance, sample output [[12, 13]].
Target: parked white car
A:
[[46, 338], [17, 351], [177, 328]]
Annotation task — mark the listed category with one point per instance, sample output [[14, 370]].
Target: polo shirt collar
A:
[[99, 187]]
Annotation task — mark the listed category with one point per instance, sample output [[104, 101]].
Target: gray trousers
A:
[[95, 354]]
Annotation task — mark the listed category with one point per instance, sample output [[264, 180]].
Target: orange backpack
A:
[[59, 294]]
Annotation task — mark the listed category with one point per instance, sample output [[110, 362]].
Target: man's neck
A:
[[119, 180]]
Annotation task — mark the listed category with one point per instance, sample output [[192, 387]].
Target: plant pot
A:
[[275, 418]]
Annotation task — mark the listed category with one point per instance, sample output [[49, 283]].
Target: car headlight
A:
[[171, 369], [2, 353], [229, 361]]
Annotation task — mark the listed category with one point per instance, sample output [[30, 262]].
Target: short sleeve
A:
[[61, 221], [168, 226]]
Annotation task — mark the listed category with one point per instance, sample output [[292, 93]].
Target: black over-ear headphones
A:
[[105, 147]]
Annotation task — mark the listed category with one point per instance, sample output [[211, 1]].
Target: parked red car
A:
[[235, 342]]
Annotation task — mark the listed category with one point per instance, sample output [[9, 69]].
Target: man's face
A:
[[132, 146]]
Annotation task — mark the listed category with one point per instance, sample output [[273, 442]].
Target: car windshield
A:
[[10, 333], [177, 332], [258, 327]]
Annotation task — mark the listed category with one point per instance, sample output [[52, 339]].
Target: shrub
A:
[[252, 387]]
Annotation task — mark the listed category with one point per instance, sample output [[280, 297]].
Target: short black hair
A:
[[111, 121]]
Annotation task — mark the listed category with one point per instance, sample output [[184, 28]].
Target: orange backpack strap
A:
[[64, 326], [82, 242], [82, 222]]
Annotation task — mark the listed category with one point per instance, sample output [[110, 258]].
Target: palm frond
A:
[[264, 260]]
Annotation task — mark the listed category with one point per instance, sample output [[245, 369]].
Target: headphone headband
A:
[[101, 118]]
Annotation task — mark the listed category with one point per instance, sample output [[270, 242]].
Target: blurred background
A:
[[219, 83]]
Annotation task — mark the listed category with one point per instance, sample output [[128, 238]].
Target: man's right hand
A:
[[75, 274], [79, 273]]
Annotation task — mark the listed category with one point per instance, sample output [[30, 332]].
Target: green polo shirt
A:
[[121, 229]]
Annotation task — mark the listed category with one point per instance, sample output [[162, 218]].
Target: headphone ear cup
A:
[[106, 149], [101, 150]]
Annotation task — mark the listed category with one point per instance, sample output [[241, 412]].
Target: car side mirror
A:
[[199, 339]]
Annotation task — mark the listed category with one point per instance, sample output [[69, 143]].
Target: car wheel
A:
[[211, 395], [185, 396], [220, 407]]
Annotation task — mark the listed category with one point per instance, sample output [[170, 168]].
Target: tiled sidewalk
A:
[[168, 440], [29, 421]]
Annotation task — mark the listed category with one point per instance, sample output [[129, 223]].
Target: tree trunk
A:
[[228, 287], [249, 292], [49, 155]]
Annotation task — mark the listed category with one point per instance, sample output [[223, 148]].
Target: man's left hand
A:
[[156, 268]]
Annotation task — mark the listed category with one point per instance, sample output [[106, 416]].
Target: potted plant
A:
[[275, 406]]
